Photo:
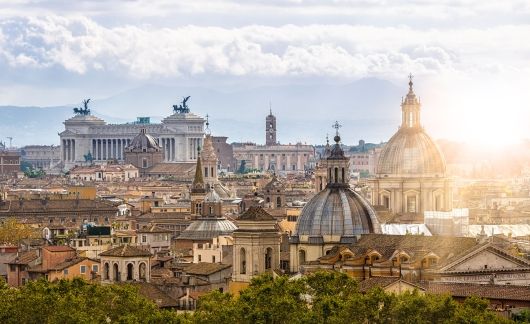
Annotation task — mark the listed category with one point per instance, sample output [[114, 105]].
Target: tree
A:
[[12, 232], [78, 301]]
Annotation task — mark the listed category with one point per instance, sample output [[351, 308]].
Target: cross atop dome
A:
[[336, 126], [410, 81]]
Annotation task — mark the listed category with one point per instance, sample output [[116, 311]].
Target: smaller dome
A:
[[207, 228], [143, 142]]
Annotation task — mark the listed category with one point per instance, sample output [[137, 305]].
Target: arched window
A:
[[106, 271], [278, 202], [243, 261], [142, 273], [301, 257], [116, 273], [268, 258], [268, 200], [336, 175], [343, 179], [130, 268]]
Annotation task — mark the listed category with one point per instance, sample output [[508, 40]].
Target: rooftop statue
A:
[[83, 111], [183, 108]]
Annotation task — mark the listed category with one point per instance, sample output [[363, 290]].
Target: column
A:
[[173, 148], [109, 151], [73, 150], [64, 149]]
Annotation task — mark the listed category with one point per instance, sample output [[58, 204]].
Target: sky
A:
[[471, 57]]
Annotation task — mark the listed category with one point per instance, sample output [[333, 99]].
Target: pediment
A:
[[67, 132], [486, 258]]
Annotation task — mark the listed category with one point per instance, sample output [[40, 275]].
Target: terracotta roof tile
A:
[[255, 213], [507, 292], [126, 251]]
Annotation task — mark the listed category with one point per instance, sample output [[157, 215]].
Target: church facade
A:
[[89, 138]]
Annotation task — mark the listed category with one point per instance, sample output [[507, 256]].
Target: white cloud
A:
[[80, 45]]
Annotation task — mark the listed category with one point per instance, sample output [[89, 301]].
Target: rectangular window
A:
[[144, 239], [199, 257], [83, 269], [213, 259], [95, 268], [65, 272]]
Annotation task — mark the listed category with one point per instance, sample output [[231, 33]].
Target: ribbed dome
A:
[[337, 211], [143, 142], [207, 228], [411, 152]]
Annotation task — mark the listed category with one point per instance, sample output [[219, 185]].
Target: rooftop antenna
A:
[[10, 141], [270, 107]]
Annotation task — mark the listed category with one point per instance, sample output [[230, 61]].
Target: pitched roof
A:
[[382, 282], [507, 292], [153, 293], [204, 268], [126, 251], [255, 213], [153, 229], [70, 262], [58, 248], [25, 257]]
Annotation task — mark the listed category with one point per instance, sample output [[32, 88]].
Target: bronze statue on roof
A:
[[83, 111], [183, 107]]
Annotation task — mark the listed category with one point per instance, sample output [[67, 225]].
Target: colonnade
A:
[[68, 149], [106, 149]]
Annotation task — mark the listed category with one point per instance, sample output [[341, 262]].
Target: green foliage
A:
[[332, 297], [323, 297], [78, 301]]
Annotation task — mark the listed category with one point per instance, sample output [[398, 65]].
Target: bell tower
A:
[[337, 163], [410, 108], [270, 129]]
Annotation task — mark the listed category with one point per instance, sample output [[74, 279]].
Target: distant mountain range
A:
[[368, 109]]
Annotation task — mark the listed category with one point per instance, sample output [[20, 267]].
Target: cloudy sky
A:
[[472, 56]]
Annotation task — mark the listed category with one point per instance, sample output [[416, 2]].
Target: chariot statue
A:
[[83, 111], [183, 107]]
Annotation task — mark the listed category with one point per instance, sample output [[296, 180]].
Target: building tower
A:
[[256, 246], [270, 129], [198, 188]]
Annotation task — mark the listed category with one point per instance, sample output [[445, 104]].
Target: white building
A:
[[179, 135]]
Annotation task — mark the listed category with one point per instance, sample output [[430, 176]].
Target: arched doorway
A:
[[106, 271], [268, 258], [243, 261], [130, 269], [115, 272], [301, 257], [142, 273]]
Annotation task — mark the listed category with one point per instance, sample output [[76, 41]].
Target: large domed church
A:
[[411, 173], [336, 215]]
